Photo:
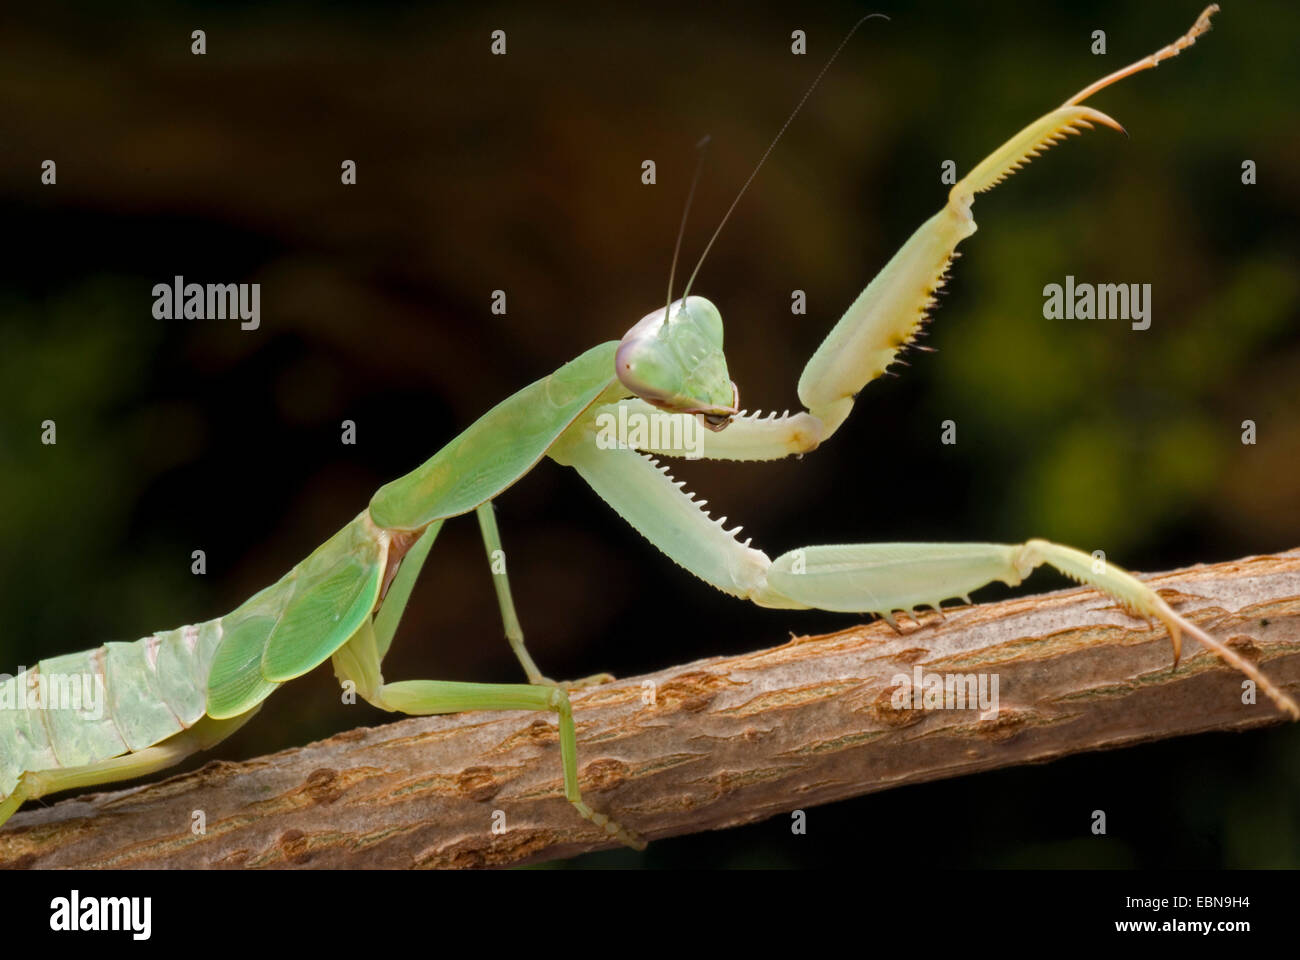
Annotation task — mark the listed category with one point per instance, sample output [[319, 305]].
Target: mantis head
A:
[[673, 359]]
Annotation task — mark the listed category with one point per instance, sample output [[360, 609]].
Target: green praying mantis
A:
[[184, 690]]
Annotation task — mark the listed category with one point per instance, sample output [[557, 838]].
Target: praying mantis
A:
[[184, 690]]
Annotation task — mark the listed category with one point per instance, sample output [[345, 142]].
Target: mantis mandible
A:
[[180, 691]]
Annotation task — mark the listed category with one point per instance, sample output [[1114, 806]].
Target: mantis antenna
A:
[[681, 230], [799, 106]]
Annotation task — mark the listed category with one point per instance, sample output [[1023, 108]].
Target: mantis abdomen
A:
[[73, 718], [84, 708]]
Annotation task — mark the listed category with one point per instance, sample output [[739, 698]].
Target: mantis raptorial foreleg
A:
[[885, 318], [890, 313], [861, 578], [356, 662], [649, 499], [884, 577]]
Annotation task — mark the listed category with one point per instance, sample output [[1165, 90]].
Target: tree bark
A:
[[710, 744]]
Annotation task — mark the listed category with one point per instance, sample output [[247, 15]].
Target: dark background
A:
[[523, 173]]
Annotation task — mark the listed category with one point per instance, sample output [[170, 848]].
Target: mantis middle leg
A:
[[501, 583], [509, 618], [358, 663], [399, 592]]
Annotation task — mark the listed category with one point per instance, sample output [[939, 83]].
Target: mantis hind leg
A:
[[356, 663], [509, 618], [204, 735]]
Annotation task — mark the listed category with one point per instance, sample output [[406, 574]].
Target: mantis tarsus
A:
[[184, 690]]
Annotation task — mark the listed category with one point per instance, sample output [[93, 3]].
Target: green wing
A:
[[336, 591], [296, 624], [235, 682], [497, 449]]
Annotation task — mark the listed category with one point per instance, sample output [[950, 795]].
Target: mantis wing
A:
[[498, 448], [296, 624], [235, 682], [336, 590]]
